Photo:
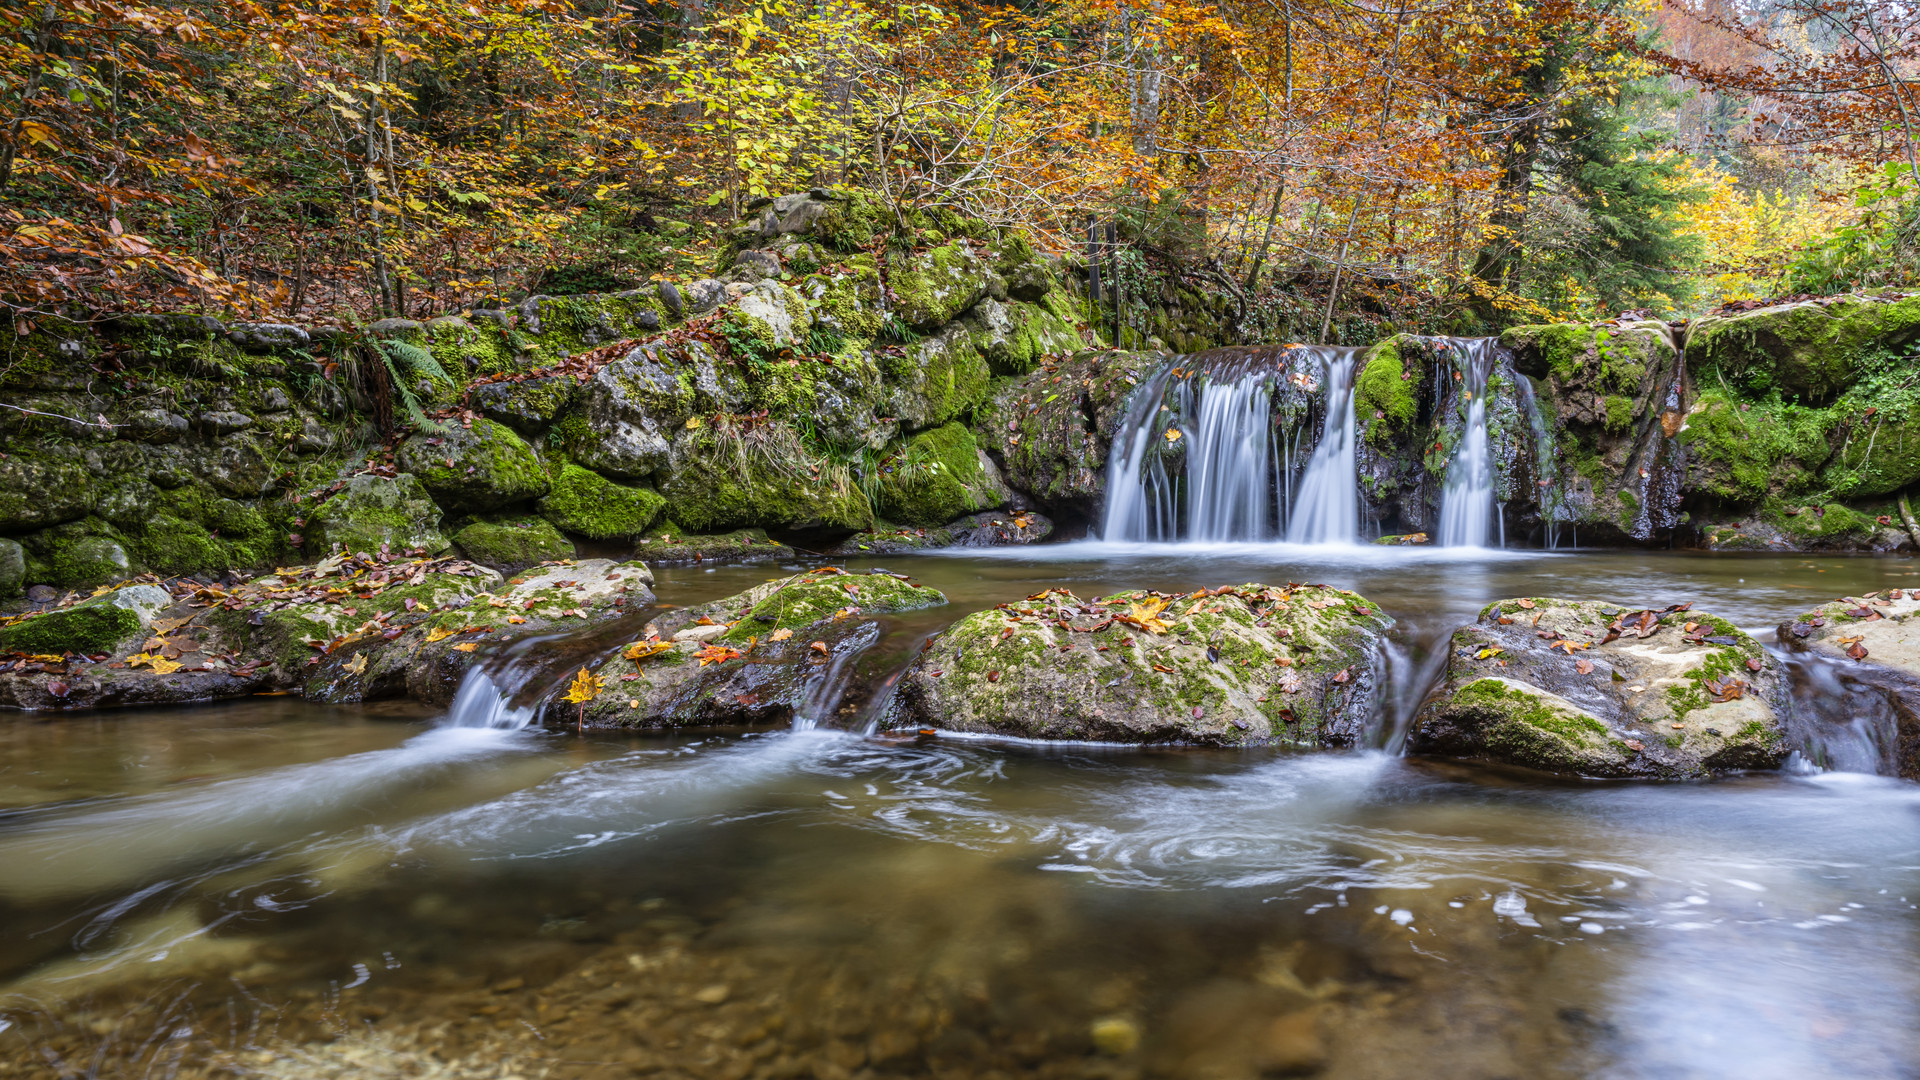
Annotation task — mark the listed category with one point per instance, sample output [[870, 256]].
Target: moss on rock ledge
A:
[[938, 477], [587, 504]]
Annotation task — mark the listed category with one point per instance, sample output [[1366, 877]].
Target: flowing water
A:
[[1327, 510], [270, 888], [1467, 511]]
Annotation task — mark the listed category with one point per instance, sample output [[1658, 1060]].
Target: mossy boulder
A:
[[512, 544], [730, 479], [587, 504], [374, 512], [634, 406], [13, 569], [75, 555], [784, 650], [669, 544], [992, 529], [475, 469], [1385, 401], [36, 492], [937, 477], [933, 287], [846, 301], [94, 627], [529, 406], [1237, 666], [1808, 349], [935, 379], [1013, 337], [1594, 689]]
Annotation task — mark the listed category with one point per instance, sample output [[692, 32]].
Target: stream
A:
[[273, 888]]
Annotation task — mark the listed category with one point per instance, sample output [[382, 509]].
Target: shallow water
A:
[[269, 888]]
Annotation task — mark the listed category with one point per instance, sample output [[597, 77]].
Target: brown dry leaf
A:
[[1340, 676], [467, 646], [1857, 651], [1583, 666], [1162, 667], [819, 647], [1528, 604], [1753, 663]]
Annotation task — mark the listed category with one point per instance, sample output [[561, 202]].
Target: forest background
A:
[[1448, 164]]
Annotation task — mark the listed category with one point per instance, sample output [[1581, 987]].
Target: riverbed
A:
[[280, 889]]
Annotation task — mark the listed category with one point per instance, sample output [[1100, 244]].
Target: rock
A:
[[42, 594], [704, 295], [513, 544], [767, 318], [933, 287], [671, 300], [97, 626], [267, 337], [86, 560], [1201, 669], [372, 512], [587, 504], [1051, 431], [37, 492], [224, 422], [671, 545], [936, 379], [144, 601], [634, 405], [715, 485], [1672, 704], [473, 470], [821, 619], [1014, 337], [1808, 348], [1873, 640], [274, 399], [991, 529], [796, 213], [156, 426], [751, 265], [13, 569], [937, 477], [314, 438], [529, 406]]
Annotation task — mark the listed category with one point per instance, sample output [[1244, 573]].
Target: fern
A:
[[405, 362]]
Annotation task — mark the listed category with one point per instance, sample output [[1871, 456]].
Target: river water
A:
[[276, 889]]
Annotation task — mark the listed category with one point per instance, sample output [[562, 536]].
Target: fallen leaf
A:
[[438, 633], [584, 686], [467, 646], [993, 676], [1635, 744], [1857, 651], [1491, 650], [355, 666], [819, 647], [1753, 663], [1583, 666], [783, 634], [163, 666], [640, 650], [1528, 604], [1340, 676], [717, 654]]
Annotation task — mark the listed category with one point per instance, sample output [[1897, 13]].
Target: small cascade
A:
[[1327, 510], [483, 703], [1467, 510], [1546, 493], [1228, 466]]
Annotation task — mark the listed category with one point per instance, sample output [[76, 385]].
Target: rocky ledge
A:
[[1875, 640], [350, 628], [1240, 665], [1606, 690]]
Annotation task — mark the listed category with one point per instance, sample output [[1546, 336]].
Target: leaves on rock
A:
[[584, 686], [716, 654]]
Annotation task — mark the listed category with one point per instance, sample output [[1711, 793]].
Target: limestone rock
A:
[[938, 476], [1244, 666], [156, 426], [372, 512], [510, 545], [484, 467], [935, 379], [990, 529], [529, 406], [1808, 348], [791, 638], [36, 492], [587, 504], [934, 287], [13, 569], [94, 627], [1875, 640], [716, 485], [668, 544], [1655, 699], [633, 406]]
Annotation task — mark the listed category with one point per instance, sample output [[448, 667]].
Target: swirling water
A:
[[276, 889]]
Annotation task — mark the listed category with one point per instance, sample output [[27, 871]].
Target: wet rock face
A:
[[375, 512], [1050, 431], [991, 529], [1873, 639], [1238, 666], [1593, 689], [779, 650], [475, 469]]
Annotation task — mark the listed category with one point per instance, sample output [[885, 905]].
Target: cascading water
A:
[[1467, 510], [1228, 465], [1327, 510], [483, 703]]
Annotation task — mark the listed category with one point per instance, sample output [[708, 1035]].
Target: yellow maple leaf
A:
[[163, 666], [584, 686], [1146, 615], [467, 646], [356, 666], [640, 650], [140, 660], [781, 634], [438, 633]]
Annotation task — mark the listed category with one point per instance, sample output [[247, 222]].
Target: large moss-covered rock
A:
[[374, 512], [1050, 431], [1594, 689], [730, 479], [13, 569], [771, 654], [1809, 349], [97, 626], [669, 544], [1013, 337], [475, 469], [634, 406], [1241, 666], [992, 529], [846, 300], [587, 504], [80, 553], [933, 287], [1875, 640], [37, 492], [937, 477], [529, 406], [512, 544], [935, 379]]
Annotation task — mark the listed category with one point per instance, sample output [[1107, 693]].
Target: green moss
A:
[[935, 478], [1748, 450], [726, 479], [935, 286], [853, 223], [1383, 395], [804, 600], [587, 504], [1806, 350], [1831, 521], [476, 469], [86, 629], [463, 348], [512, 544], [1619, 415]]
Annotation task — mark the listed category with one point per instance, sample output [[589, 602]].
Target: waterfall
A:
[[1327, 510], [1467, 509], [1228, 465], [482, 703], [1137, 506]]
